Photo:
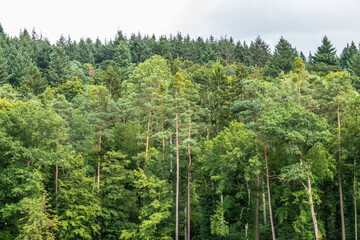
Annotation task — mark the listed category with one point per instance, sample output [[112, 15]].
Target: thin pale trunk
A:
[[311, 203], [56, 184], [188, 186], [268, 192], [163, 142], [98, 170], [100, 129], [257, 200], [340, 180], [148, 135], [355, 211], [299, 89], [177, 173], [222, 213], [264, 202], [257, 208], [185, 230]]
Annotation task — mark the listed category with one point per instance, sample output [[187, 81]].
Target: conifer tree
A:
[[259, 52], [59, 67], [283, 58], [348, 52], [3, 68]]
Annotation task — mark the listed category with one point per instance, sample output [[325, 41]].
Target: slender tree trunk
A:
[[185, 230], [100, 129], [177, 173], [268, 192], [355, 210], [264, 202], [188, 185], [257, 200], [56, 184], [299, 89], [222, 212], [311, 203], [148, 135], [340, 177], [163, 142], [257, 208]]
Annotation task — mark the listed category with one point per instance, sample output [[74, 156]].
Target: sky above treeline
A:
[[302, 22]]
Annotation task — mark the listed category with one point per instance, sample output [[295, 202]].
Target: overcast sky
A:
[[302, 22]]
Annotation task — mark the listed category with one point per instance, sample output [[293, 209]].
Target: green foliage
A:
[[64, 108], [78, 207], [259, 52], [283, 58], [37, 223], [59, 68], [155, 213]]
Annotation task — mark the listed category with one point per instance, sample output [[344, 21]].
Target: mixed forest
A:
[[140, 137]]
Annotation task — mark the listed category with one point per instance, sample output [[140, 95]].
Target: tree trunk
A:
[[148, 135], [177, 174], [257, 208], [56, 184], [355, 211], [311, 203], [257, 195], [222, 212], [163, 143], [188, 186], [100, 129], [340, 181], [264, 202], [185, 230], [299, 89], [268, 192]]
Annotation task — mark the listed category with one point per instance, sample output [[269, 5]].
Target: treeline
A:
[[145, 138]]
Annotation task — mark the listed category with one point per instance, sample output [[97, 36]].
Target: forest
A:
[[170, 137]]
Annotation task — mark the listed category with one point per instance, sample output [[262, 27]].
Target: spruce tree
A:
[[3, 69], [348, 52], [59, 67], [325, 59], [283, 58], [259, 52]]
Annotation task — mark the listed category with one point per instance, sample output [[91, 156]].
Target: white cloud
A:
[[302, 22]]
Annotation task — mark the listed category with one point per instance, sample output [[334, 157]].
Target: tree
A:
[[122, 54], [325, 59], [155, 213], [78, 207], [117, 187], [3, 68], [259, 52], [230, 161], [177, 85], [33, 82], [283, 58], [37, 223], [59, 68], [348, 52]]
